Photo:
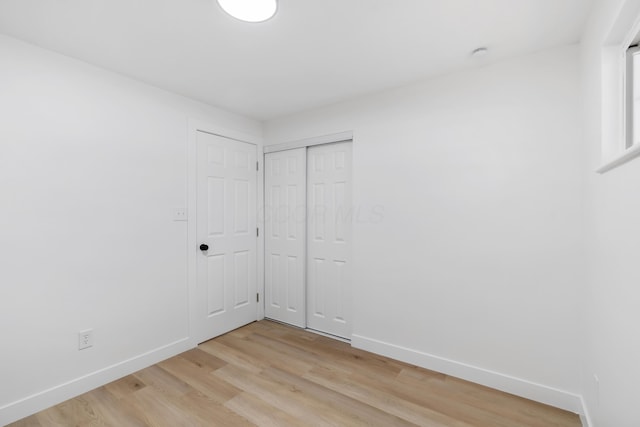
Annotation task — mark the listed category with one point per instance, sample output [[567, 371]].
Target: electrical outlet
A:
[[180, 214], [85, 339]]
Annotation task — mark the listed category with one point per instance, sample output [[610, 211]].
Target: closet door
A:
[[285, 228], [329, 216]]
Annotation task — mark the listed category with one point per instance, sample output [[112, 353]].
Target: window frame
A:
[[617, 142], [630, 130]]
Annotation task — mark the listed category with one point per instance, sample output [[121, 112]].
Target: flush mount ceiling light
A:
[[250, 10]]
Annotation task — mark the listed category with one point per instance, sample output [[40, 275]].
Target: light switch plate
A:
[[180, 214]]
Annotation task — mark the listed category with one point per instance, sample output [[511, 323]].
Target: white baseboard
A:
[[47, 398], [585, 418], [520, 387], [529, 390]]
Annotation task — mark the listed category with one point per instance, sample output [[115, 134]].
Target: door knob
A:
[[204, 247]]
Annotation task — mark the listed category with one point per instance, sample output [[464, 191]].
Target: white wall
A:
[[467, 244], [92, 165], [475, 266], [612, 297]]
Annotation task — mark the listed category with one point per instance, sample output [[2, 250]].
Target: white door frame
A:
[[194, 127], [309, 142]]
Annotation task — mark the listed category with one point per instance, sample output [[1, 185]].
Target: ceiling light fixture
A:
[[250, 10]]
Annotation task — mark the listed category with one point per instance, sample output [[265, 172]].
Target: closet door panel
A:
[[285, 235], [329, 231]]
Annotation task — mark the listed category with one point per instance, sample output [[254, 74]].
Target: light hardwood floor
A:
[[268, 374]]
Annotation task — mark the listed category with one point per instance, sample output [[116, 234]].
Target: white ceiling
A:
[[313, 53]]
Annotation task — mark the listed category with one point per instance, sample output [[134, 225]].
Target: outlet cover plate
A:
[[180, 214], [85, 339]]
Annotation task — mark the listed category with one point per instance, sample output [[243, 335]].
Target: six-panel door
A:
[[329, 225], [285, 227], [226, 225]]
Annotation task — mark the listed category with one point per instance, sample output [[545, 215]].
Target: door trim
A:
[[195, 126], [309, 142]]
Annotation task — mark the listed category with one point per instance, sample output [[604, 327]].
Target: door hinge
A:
[[257, 297], [257, 166], [257, 232]]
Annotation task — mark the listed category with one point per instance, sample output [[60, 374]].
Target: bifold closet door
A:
[[285, 229], [329, 230]]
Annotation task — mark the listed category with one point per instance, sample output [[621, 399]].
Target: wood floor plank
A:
[[161, 380], [278, 395], [506, 409], [351, 411], [79, 410], [289, 351], [341, 354], [125, 386], [269, 374], [200, 379], [261, 413], [202, 359], [270, 356], [206, 412], [427, 394], [31, 421], [234, 357], [157, 410], [403, 409], [113, 411]]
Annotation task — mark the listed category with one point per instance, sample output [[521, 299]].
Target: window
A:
[[620, 88]]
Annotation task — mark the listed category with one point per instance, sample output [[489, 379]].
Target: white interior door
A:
[[285, 229], [226, 231], [329, 217]]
